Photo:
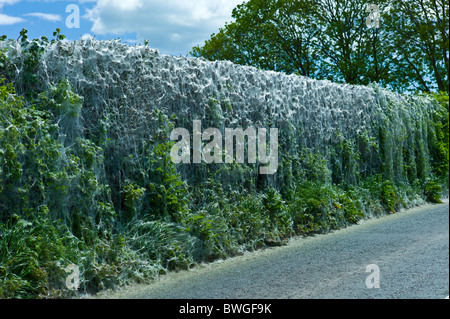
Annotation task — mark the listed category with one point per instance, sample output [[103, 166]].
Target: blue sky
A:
[[172, 26]]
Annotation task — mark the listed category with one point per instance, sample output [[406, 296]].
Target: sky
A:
[[171, 26]]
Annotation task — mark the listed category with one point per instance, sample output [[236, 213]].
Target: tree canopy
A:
[[338, 40]]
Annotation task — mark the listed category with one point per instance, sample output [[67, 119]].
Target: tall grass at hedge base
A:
[[35, 251]]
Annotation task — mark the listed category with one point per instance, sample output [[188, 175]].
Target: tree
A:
[[268, 34], [349, 50], [329, 39], [419, 41]]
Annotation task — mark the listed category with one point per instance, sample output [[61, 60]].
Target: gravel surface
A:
[[410, 248]]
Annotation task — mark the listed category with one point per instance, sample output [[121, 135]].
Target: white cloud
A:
[[169, 25], [3, 2], [8, 20], [45, 16], [86, 36]]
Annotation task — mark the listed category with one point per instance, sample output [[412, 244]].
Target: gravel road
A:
[[410, 249]]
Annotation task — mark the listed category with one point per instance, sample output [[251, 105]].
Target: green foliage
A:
[[330, 40], [34, 253], [166, 244], [417, 35], [309, 208], [55, 194], [386, 192], [60, 100], [132, 194], [388, 195], [324, 207], [314, 167], [26, 58], [27, 155], [439, 139], [432, 191], [345, 162], [276, 209], [167, 192], [58, 36], [21, 274]]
